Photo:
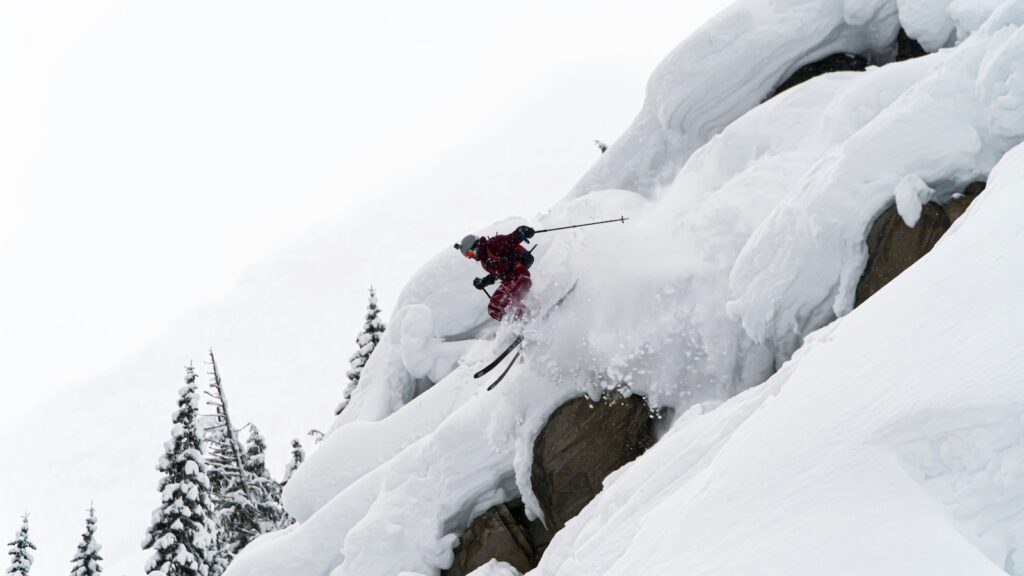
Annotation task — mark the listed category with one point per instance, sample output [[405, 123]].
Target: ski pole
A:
[[619, 219]]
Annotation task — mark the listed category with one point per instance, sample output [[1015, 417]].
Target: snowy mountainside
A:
[[893, 428], [892, 444]]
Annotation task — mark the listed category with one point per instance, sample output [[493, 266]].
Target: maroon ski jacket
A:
[[504, 257]]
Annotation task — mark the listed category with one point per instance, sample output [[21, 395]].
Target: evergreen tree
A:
[[298, 457], [221, 558], [183, 531], [367, 340], [87, 560], [21, 558], [266, 491]]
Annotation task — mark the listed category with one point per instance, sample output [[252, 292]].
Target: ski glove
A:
[[481, 283], [525, 232]]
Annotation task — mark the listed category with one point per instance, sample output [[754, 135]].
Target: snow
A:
[[726, 68], [945, 134], [928, 22], [970, 15], [347, 459], [911, 193], [495, 568], [867, 454], [423, 354], [889, 444]]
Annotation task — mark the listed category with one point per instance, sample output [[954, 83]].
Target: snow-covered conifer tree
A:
[[21, 558], [367, 340], [298, 457], [266, 491], [87, 560], [182, 535]]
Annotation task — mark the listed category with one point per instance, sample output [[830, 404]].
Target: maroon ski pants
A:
[[509, 296]]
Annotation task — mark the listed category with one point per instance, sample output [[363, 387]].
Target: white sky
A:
[[151, 152]]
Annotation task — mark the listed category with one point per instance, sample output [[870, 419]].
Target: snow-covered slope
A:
[[890, 444]]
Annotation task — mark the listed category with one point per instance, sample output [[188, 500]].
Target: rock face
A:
[[579, 446], [893, 246], [504, 533], [833, 63], [907, 47], [958, 205]]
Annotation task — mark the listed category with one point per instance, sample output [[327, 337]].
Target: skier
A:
[[504, 259]]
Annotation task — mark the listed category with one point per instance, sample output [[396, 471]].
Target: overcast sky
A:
[[152, 152]]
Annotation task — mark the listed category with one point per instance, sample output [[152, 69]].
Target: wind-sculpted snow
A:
[[401, 514], [358, 448], [727, 68], [747, 231], [960, 115], [892, 444]]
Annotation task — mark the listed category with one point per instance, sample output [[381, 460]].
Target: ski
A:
[[505, 371], [494, 363], [519, 339], [518, 342]]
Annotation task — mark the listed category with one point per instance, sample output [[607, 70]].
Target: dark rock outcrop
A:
[[504, 533], [579, 446], [893, 246], [907, 47], [958, 205], [833, 63]]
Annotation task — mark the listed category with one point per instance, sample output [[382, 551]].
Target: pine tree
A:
[[367, 340], [266, 491], [298, 457], [87, 560], [221, 558], [184, 529], [21, 558]]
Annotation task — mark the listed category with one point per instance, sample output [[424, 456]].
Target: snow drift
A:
[[891, 444]]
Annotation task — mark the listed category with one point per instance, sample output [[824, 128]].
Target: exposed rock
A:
[[893, 246], [833, 63], [579, 446], [503, 533], [958, 205], [907, 47]]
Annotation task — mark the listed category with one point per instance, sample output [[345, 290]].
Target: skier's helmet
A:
[[468, 245]]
